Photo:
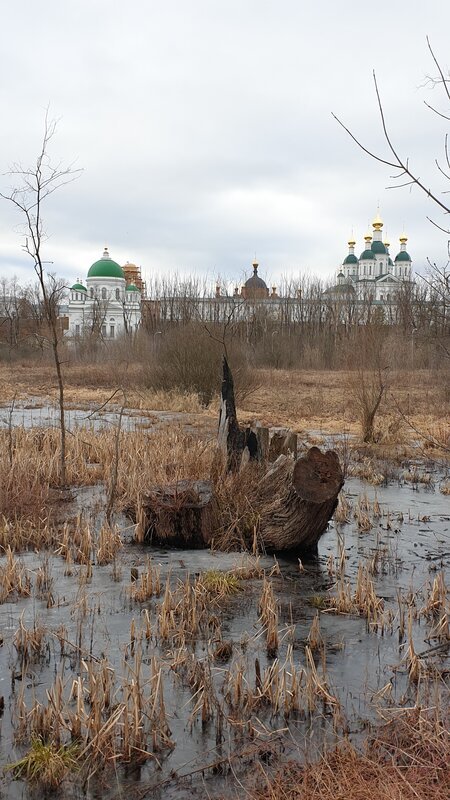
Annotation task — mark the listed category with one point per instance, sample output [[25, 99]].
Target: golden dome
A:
[[368, 237], [378, 222], [352, 241], [386, 243], [403, 238]]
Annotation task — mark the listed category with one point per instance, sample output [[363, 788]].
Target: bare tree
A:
[[406, 174], [35, 185], [437, 277]]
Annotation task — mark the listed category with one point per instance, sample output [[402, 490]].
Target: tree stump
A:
[[233, 441], [282, 441], [182, 515], [297, 500], [230, 439]]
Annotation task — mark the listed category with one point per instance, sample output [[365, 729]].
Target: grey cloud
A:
[[205, 132]]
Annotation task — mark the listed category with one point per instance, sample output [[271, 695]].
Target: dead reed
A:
[[26, 488], [30, 643], [406, 758], [148, 585], [362, 514], [363, 600], [342, 513], [110, 717], [268, 610], [14, 579]]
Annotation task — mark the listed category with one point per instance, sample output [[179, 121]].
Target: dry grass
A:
[[111, 718], [14, 579], [268, 609], [26, 491], [317, 400], [45, 766], [300, 399], [90, 385], [408, 759]]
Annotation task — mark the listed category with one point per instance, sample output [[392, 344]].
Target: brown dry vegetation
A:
[[407, 759], [27, 481], [301, 399]]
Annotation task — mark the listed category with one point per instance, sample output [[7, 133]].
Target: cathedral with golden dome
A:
[[374, 274], [114, 300]]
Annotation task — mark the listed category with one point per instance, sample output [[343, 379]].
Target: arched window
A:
[[103, 293], [91, 292], [117, 294]]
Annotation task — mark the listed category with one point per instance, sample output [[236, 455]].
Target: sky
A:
[[205, 134]]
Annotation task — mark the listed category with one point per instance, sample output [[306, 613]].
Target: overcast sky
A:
[[205, 134]]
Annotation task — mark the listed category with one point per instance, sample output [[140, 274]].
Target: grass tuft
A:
[[45, 765]]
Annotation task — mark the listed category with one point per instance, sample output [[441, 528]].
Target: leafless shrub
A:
[[367, 382], [188, 359]]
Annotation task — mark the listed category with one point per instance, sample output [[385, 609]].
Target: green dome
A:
[[367, 254], [378, 247], [105, 267], [132, 288], [78, 287], [403, 256], [350, 259], [390, 262]]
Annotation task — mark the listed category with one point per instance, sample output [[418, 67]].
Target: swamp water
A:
[[211, 712]]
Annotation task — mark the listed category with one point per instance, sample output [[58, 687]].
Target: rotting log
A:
[[282, 441], [294, 502], [297, 499], [183, 514]]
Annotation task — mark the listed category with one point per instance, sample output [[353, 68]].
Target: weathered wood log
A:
[[294, 501], [183, 514], [282, 441], [297, 499]]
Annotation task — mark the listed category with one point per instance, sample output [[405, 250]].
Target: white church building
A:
[[109, 305], [374, 273]]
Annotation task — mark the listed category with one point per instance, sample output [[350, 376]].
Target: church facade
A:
[[374, 274], [114, 302], [109, 305]]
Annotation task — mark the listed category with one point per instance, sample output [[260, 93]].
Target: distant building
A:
[[373, 276], [254, 297], [110, 303], [114, 299]]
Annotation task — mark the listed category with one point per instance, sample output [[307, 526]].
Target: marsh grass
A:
[[14, 579], [268, 609], [30, 643], [220, 584], [406, 758], [362, 601], [45, 766], [29, 506], [342, 513]]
